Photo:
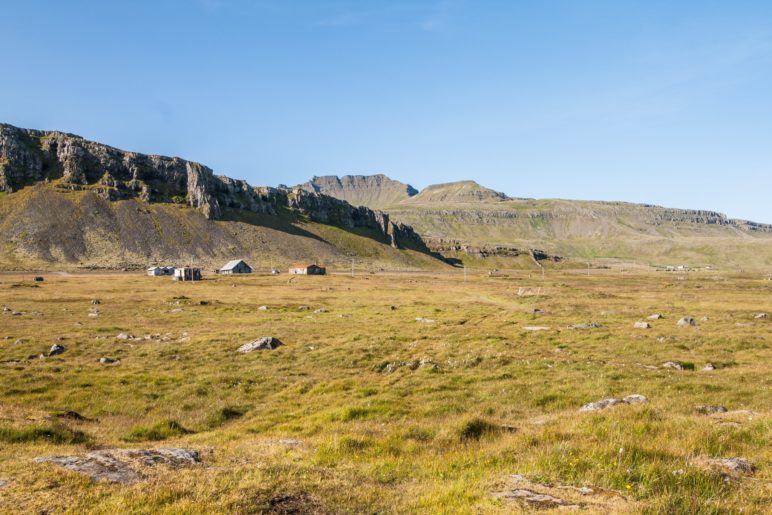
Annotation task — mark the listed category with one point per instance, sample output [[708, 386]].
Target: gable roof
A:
[[230, 265], [306, 265]]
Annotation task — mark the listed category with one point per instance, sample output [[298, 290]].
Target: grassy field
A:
[[365, 409]]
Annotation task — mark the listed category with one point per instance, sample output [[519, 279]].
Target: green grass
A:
[[49, 433], [320, 425]]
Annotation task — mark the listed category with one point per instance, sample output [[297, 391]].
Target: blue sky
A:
[[665, 102]]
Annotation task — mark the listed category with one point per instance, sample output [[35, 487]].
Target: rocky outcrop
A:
[[29, 156]]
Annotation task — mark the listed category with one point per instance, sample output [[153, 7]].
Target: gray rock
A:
[[600, 405], [424, 320], [709, 367], [536, 499], [124, 336], [760, 316], [672, 364], [709, 410], [590, 325], [107, 361], [320, 310], [56, 349], [730, 466], [263, 308], [96, 301], [635, 399], [655, 316], [123, 465], [264, 343], [686, 322], [642, 325], [3, 483]]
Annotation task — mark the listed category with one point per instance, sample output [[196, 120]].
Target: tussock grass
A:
[[491, 399]]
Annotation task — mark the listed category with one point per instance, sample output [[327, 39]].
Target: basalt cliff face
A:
[[67, 161], [168, 208]]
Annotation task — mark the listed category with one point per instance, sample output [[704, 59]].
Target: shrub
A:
[[476, 428]]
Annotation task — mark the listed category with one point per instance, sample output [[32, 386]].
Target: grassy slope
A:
[[40, 227], [388, 442], [588, 230]]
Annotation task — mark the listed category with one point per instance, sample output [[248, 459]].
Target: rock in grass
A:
[[263, 308], [264, 343], [709, 367], [607, 403], [729, 466], [56, 349], [591, 325], [600, 405], [655, 316], [686, 322], [709, 410], [672, 364], [123, 465], [760, 316], [537, 500], [642, 325], [107, 360]]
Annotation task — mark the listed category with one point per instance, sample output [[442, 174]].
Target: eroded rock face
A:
[[730, 466], [123, 465]]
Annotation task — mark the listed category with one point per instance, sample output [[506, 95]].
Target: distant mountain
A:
[[468, 221], [373, 191], [456, 192], [68, 201]]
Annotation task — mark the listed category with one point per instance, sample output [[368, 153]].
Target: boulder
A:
[[655, 316], [672, 364], [709, 367], [320, 310], [760, 316], [123, 465], [635, 399], [536, 328], [107, 361], [3, 483], [56, 349], [263, 308], [642, 325], [686, 322], [264, 343]]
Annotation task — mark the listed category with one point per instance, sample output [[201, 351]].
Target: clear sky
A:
[[657, 101]]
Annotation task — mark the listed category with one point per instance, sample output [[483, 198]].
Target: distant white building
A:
[[160, 270], [307, 269], [237, 266]]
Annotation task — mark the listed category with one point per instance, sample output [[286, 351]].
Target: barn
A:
[[307, 269], [237, 266]]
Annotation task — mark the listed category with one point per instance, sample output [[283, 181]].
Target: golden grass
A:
[[395, 415]]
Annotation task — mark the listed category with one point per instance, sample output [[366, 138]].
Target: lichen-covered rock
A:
[[686, 322], [123, 465], [264, 343], [641, 325]]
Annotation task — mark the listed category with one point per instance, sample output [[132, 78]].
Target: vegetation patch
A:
[[159, 431]]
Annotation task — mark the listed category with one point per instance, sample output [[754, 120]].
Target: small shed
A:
[[237, 266], [160, 270], [187, 273], [307, 269]]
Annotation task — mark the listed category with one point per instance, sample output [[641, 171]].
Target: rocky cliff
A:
[[67, 161]]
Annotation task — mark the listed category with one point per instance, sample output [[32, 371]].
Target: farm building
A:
[[307, 269], [160, 270], [187, 273], [237, 266]]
